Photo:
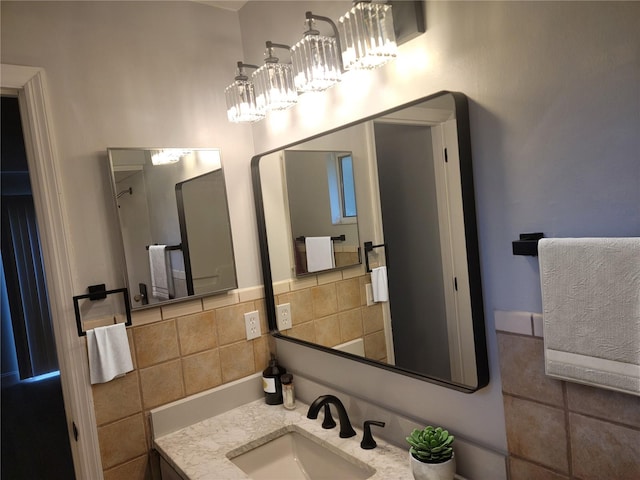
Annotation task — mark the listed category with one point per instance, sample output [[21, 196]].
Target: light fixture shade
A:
[[315, 63], [368, 38], [275, 88], [241, 101]]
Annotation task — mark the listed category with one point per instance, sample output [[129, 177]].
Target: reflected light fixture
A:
[[241, 98], [317, 59], [368, 36], [168, 155], [275, 89]]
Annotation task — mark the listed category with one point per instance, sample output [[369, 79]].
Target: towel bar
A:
[[97, 292], [527, 245], [339, 238], [368, 247], [169, 247]]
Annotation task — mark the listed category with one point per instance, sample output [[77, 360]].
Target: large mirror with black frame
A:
[[412, 302], [174, 220]]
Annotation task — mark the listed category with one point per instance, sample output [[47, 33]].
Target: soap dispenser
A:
[[271, 383]]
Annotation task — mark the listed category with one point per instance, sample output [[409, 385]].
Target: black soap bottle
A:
[[271, 382]]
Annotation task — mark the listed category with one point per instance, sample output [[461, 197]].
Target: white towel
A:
[[319, 253], [379, 284], [591, 310], [161, 280], [109, 354]]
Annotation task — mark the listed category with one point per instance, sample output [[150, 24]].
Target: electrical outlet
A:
[[252, 324], [369, 292], [283, 316]]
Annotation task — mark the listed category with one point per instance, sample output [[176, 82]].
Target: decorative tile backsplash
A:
[[336, 312], [177, 350], [559, 430], [185, 348]]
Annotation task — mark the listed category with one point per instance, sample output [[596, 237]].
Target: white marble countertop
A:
[[199, 451]]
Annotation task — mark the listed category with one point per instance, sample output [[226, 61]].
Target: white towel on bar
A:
[[379, 284], [319, 253], [109, 354], [160, 272], [591, 310]]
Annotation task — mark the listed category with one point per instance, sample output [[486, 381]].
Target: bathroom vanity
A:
[[209, 449], [204, 436]]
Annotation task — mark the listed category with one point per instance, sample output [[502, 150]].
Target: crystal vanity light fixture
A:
[[317, 61], [241, 98], [275, 88], [368, 37]]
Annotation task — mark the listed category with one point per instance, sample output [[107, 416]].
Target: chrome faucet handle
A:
[[328, 421], [368, 442]]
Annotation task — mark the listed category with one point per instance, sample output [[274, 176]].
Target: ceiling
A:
[[234, 5]]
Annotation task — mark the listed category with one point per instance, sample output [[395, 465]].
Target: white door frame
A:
[[45, 178]]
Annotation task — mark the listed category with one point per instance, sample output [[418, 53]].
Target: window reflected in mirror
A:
[[321, 202]]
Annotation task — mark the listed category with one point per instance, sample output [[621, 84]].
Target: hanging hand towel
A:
[[160, 273], [591, 310], [379, 284], [109, 354], [319, 253]]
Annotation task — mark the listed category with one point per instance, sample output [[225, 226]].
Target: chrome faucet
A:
[[346, 430]]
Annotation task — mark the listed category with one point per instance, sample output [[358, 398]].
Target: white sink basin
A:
[[293, 456]]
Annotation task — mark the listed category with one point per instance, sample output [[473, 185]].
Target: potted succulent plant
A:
[[431, 454]]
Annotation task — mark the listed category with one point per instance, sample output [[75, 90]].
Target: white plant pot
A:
[[433, 471]]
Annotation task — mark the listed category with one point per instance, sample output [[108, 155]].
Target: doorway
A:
[[410, 217], [35, 442]]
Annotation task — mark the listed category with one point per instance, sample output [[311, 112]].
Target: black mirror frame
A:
[[471, 237]]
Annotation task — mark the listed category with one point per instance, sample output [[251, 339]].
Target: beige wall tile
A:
[[513, 322], [605, 404], [303, 282], [261, 352], [281, 287], [144, 317], [182, 308], [301, 302], [325, 300], [117, 399], [603, 450], [375, 346], [522, 470], [122, 441], [364, 280], [236, 361], [350, 325], [251, 294], [136, 469], [156, 343], [352, 272], [304, 331], [522, 369], [536, 432], [161, 384], [223, 300], [372, 318], [327, 330], [329, 277], [348, 294], [230, 322], [197, 332], [201, 371]]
